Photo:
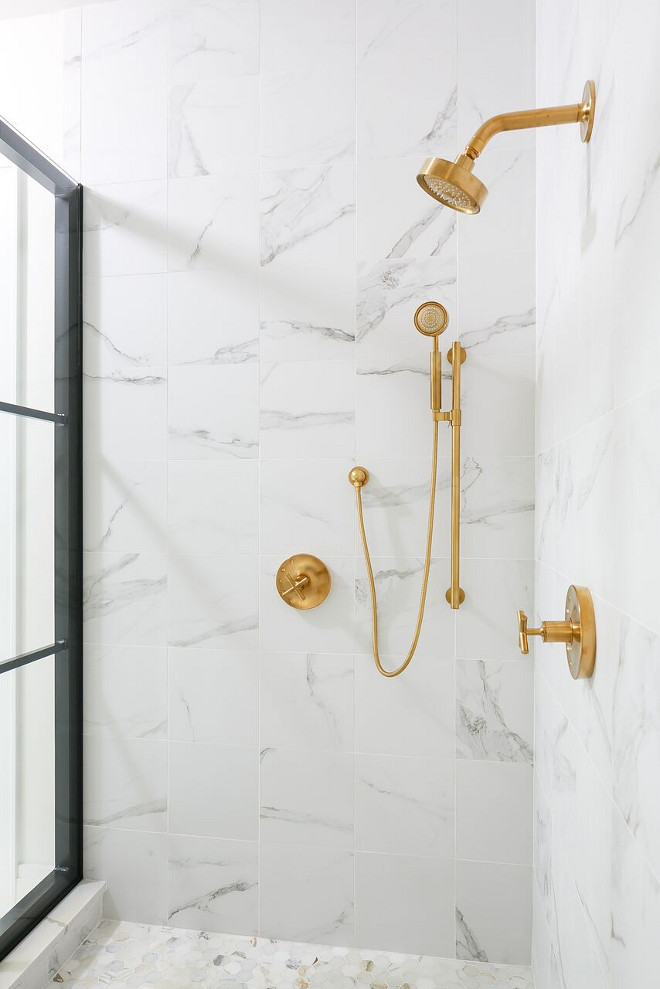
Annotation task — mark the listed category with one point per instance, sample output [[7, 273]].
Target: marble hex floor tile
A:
[[129, 956]]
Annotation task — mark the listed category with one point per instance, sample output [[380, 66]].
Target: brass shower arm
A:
[[549, 116]]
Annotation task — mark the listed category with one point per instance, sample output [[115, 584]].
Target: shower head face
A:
[[431, 319], [452, 184]]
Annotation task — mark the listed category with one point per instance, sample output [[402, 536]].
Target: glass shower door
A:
[[40, 542]]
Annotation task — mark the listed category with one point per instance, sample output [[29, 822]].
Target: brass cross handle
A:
[[303, 581], [577, 632]]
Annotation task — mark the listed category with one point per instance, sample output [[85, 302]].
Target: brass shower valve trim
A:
[[577, 632], [303, 581]]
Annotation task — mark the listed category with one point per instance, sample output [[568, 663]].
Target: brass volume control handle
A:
[[577, 632], [303, 581]]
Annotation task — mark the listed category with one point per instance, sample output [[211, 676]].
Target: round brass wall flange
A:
[[581, 652], [589, 110], [303, 581]]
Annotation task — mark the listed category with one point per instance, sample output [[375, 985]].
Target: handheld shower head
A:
[[431, 319], [452, 182]]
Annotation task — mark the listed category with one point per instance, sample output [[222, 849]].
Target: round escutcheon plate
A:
[[303, 581], [581, 652]]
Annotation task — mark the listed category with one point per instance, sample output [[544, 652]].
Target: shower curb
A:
[[42, 953]]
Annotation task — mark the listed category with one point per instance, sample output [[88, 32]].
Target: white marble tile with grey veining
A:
[[125, 46], [125, 783], [214, 696], [493, 912], [213, 316], [223, 805], [307, 409], [113, 402], [308, 312], [214, 127], [125, 691], [197, 489], [293, 132], [306, 701], [404, 805], [214, 884], [497, 303], [125, 228], [307, 797], [212, 223], [493, 710], [126, 507], [213, 601], [389, 292], [497, 509], [125, 598], [308, 214], [212, 39], [213, 412], [125, 322], [135, 866]]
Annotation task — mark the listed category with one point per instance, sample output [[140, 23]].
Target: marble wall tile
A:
[[125, 783], [211, 39], [128, 507], [213, 506], [308, 312], [213, 316], [124, 135], [307, 893], [494, 591], [405, 806], [125, 46], [299, 36], [213, 696], [502, 792], [213, 790], [507, 222], [498, 405], [496, 303], [308, 214], [214, 126], [307, 798], [405, 902], [125, 323], [494, 716], [407, 93], [125, 229], [114, 402], [213, 412], [125, 598], [418, 720], [293, 132], [213, 602], [412, 225], [212, 222], [307, 409], [317, 513], [214, 884], [493, 911], [398, 583], [497, 510], [388, 293], [392, 416], [134, 864], [327, 628], [125, 691], [306, 701]]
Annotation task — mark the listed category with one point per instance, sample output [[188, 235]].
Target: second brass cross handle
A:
[[577, 632], [549, 632]]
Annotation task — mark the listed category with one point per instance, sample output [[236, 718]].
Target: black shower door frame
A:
[[67, 506]]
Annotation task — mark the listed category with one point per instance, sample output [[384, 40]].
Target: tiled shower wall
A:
[[597, 889], [255, 248]]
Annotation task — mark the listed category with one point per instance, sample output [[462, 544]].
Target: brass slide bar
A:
[[455, 594]]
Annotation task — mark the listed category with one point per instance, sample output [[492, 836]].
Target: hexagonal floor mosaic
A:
[[129, 956]]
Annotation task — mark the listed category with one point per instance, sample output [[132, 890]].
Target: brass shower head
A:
[[454, 185], [431, 319]]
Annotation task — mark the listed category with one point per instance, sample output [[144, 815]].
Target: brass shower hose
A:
[[425, 578]]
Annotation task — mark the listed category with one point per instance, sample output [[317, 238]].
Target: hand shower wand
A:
[[431, 319]]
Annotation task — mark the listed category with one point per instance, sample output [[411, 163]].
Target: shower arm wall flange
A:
[[573, 113]]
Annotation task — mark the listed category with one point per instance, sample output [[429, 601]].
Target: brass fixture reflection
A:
[[431, 319], [454, 185], [303, 581], [578, 632]]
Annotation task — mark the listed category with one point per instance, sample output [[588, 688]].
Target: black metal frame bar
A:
[[67, 442]]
